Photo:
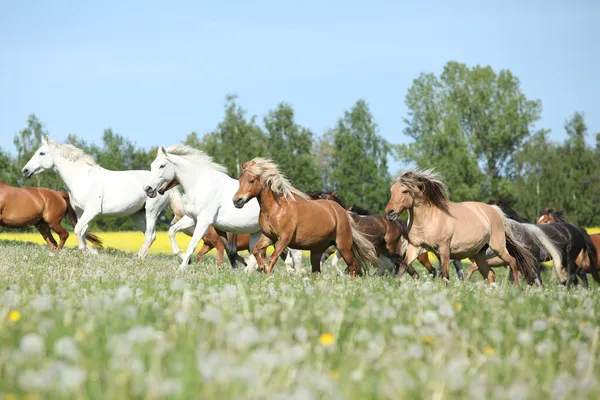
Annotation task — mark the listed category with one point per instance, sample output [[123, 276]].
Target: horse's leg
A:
[[62, 233], [259, 250], [315, 261], [498, 244], [459, 268], [89, 213], [424, 259], [481, 260], [583, 275], [444, 253], [206, 247], [184, 223], [280, 246], [472, 269], [202, 224], [412, 253], [44, 229]]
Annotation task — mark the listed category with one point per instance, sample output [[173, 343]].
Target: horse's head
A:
[[550, 216], [250, 186], [416, 187], [162, 174], [41, 160]]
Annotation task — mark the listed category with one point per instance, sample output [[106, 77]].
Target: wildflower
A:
[[80, 336], [334, 374], [32, 344], [14, 316], [489, 351], [457, 306], [427, 339], [327, 339], [10, 396]]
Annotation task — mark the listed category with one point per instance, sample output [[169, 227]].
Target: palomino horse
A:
[[399, 225], [584, 261], [288, 217], [21, 207], [214, 238], [98, 191], [541, 246], [206, 200], [454, 230]]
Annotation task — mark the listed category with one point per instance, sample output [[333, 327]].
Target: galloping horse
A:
[[21, 207], [541, 246], [94, 190], [288, 217], [206, 200], [584, 260], [454, 230]]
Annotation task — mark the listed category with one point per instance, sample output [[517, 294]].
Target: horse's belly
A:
[[126, 206]]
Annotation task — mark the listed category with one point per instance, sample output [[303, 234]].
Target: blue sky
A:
[[154, 70]]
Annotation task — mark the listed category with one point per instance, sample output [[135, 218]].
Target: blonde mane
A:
[[270, 176], [427, 183], [72, 153], [194, 154]]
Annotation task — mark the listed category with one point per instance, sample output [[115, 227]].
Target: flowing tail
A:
[[542, 240], [592, 253], [526, 263], [362, 249], [93, 239]]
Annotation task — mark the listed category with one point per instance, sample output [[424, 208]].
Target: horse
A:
[[214, 238], [454, 230], [94, 190], [396, 231], [289, 217], [206, 200], [534, 238], [21, 207], [584, 263]]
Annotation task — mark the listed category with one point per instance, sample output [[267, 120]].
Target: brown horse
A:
[[551, 216], [21, 207], [288, 217], [454, 230]]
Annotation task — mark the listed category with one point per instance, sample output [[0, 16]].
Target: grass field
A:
[[109, 326]]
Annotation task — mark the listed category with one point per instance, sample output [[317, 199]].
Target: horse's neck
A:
[[189, 174], [267, 201], [69, 171], [420, 216]]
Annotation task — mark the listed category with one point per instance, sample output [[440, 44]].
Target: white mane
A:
[[72, 153], [198, 156], [270, 176]]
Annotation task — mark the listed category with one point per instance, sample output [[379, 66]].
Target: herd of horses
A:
[[262, 209]]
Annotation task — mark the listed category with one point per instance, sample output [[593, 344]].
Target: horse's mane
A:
[[314, 194], [427, 183], [359, 210], [198, 156], [508, 211], [72, 153], [270, 176]]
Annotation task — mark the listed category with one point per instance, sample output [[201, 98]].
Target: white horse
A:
[[208, 191], [98, 191]]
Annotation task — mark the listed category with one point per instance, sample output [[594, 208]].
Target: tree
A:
[[7, 168], [360, 170], [324, 153], [483, 118], [291, 146]]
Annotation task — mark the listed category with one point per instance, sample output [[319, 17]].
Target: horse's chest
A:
[[268, 225]]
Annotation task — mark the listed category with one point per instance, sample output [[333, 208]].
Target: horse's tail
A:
[[542, 240], [592, 253], [526, 263], [94, 240], [363, 250]]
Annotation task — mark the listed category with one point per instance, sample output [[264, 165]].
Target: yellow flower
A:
[[326, 339], [31, 396], [489, 351], [334, 374], [14, 316], [427, 339], [10, 396], [457, 306], [80, 336]]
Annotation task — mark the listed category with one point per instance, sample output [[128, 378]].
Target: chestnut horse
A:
[[21, 207], [454, 230], [584, 267], [288, 217]]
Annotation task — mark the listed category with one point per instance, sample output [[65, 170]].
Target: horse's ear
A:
[[242, 165], [161, 151], [334, 193], [45, 140]]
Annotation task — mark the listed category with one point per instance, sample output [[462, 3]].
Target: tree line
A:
[[474, 125]]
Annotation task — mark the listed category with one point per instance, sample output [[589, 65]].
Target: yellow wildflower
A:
[[457, 306], [334, 374], [80, 336], [489, 351], [326, 339], [427, 339], [10, 396], [14, 316], [31, 396]]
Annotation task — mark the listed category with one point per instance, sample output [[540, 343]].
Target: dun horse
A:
[[288, 217], [21, 207], [454, 230], [584, 262]]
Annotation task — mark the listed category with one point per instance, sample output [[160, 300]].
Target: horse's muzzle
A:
[[27, 173], [392, 215], [150, 192], [239, 202]]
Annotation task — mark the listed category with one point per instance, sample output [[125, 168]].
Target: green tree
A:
[[291, 147], [360, 167], [471, 116], [324, 157], [8, 174]]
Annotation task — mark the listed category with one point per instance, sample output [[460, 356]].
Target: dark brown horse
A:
[[288, 217], [21, 207]]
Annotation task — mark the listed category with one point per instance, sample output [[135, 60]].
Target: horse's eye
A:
[[162, 166], [251, 180], [42, 153], [405, 191]]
